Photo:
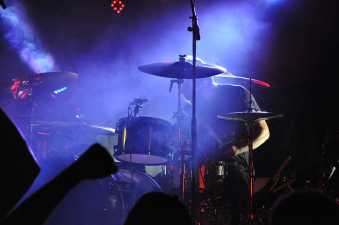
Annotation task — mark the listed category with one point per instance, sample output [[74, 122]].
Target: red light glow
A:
[[117, 6]]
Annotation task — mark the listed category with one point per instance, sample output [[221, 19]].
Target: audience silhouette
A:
[[155, 208], [19, 169], [305, 207]]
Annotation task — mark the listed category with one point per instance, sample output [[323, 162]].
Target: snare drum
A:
[[143, 140]]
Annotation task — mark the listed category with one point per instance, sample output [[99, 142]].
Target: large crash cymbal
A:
[[249, 116], [228, 78], [181, 69]]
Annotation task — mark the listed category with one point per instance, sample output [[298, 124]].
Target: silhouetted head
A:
[[305, 207], [156, 208]]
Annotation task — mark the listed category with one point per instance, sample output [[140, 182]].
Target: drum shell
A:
[[143, 140]]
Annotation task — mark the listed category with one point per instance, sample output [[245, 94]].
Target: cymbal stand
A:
[[194, 184], [179, 115], [249, 125]]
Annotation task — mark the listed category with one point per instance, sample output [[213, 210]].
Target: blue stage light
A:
[[21, 36]]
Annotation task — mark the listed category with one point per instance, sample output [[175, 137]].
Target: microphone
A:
[[140, 101], [3, 5]]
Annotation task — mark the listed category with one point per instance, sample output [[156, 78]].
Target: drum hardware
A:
[[228, 78], [186, 70], [181, 70], [179, 116], [43, 91], [195, 205], [221, 170], [333, 169], [143, 140], [250, 117], [39, 88], [135, 106], [277, 175], [47, 83]]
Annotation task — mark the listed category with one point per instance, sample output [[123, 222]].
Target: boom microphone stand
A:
[[194, 186]]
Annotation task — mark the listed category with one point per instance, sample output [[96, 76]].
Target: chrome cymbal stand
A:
[[179, 115], [249, 122]]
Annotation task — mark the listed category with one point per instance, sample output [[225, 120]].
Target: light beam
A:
[[21, 36]]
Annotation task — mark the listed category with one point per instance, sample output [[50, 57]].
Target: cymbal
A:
[[181, 70], [50, 82], [51, 125], [49, 77], [230, 79], [57, 78], [249, 116]]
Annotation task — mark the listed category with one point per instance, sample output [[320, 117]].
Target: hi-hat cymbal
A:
[[181, 69], [249, 116]]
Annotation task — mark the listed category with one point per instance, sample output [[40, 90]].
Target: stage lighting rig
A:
[[117, 6]]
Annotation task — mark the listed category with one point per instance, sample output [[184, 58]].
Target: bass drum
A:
[[104, 201]]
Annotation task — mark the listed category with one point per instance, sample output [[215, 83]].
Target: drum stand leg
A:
[[251, 213], [180, 117]]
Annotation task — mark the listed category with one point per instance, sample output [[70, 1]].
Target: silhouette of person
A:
[[305, 207], [19, 169], [158, 208]]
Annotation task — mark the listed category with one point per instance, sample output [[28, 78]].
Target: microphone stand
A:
[[194, 186]]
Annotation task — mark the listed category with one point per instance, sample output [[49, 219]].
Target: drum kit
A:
[[143, 140]]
